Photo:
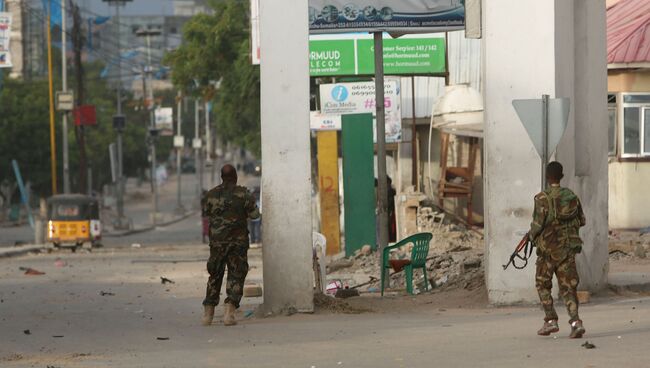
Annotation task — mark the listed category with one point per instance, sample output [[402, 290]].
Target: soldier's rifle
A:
[[525, 247]]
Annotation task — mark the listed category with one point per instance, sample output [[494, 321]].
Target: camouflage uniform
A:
[[555, 228], [228, 208]]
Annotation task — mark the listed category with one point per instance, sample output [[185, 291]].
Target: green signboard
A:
[[347, 57]]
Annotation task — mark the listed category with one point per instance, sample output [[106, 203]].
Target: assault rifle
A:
[[527, 247]]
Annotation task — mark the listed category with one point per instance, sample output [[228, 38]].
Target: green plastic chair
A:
[[418, 259]]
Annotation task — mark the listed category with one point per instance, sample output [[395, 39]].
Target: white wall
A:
[[286, 181], [628, 198], [533, 48]]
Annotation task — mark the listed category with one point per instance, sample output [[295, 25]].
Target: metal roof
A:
[[628, 32]]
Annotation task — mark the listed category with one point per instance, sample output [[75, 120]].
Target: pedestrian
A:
[[557, 219], [228, 207]]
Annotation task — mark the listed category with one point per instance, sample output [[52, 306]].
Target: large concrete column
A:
[[533, 48], [286, 178]]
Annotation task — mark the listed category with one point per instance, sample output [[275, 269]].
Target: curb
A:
[[20, 251], [149, 228]]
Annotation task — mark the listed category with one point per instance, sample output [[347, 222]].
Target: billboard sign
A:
[[5, 40], [165, 121], [359, 98], [355, 56], [408, 16], [318, 121]]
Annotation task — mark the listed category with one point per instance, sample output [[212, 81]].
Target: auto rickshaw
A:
[[73, 219]]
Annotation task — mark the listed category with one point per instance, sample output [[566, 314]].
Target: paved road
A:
[[138, 207], [120, 329]]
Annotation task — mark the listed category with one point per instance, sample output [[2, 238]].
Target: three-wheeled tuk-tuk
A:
[[73, 219]]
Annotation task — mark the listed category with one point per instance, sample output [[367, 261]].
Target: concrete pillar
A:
[[286, 179], [532, 48]]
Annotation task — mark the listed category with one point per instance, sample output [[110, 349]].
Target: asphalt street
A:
[[109, 309]]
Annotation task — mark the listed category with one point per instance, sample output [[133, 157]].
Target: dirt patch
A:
[[11, 358], [328, 304], [425, 302]]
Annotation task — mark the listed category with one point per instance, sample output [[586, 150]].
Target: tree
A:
[[215, 51]]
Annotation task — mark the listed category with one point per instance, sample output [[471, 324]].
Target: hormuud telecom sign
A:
[[336, 16]]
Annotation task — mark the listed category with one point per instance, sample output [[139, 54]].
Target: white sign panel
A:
[[5, 40], [165, 120], [255, 32], [358, 98], [318, 121], [336, 16]]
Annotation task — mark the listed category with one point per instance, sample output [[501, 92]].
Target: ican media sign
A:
[[358, 98]]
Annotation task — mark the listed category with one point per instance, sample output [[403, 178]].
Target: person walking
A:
[[228, 208], [557, 219]]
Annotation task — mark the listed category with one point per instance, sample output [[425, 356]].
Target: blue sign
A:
[[340, 93]]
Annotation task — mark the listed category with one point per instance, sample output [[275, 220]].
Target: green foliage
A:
[[25, 132], [216, 50]]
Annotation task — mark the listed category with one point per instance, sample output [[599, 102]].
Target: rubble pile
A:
[[629, 245], [455, 261]]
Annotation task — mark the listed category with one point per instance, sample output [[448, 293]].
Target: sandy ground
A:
[[109, 308]]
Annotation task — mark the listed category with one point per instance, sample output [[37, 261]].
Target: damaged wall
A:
[[547, 40]]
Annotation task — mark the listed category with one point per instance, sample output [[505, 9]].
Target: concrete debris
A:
[[340, 264], [164, 280], [588, 345], [455, 261], [31, 272], [252, 291], [366, 250]]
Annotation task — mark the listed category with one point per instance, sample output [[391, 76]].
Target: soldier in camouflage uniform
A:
[[555, 228], [228, 208]]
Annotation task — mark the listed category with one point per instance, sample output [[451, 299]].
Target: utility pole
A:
[[196, 144], [208, 139], [51, 98], [382, 180], [179, 151], [77, 43], [64, 80], [119, 124], [147, 33]]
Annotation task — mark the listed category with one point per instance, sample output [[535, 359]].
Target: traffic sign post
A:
[[545, 121]]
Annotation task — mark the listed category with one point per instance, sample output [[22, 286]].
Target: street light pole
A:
[[197, 149], [119, 122], [64, 82], [179, 151], [147, 33]]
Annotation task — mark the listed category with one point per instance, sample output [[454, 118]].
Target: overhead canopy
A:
[[628, 33]]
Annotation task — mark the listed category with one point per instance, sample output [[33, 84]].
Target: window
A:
[[635, 127], [612, 131]]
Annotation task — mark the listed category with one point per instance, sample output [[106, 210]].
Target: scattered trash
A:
[[164, 280], [31, 271], [373, 290], [333, 286], [162, 338], [57, 336], [588, 345], [249, 313], [136, 245], [645, 230], [290, 311], [106, 293], [60, 263], [27, 332], [618, 337]]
